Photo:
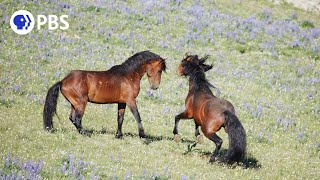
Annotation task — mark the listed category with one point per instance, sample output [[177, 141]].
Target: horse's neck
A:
[[142, 70], [194, 88], [138, 73]]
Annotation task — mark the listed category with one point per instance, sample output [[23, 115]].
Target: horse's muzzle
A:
[[153, 87]]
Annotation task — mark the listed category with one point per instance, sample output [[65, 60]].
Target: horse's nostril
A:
[[153, 87]]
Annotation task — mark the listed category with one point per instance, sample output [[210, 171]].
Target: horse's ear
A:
[[196, 59], [189, 59], [164, 65], [187, 55]]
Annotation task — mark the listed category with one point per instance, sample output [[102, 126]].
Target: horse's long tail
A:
[[237, 139], [50, 105]]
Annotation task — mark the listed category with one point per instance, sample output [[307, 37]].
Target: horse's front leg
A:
[[183, 115], [198, 135], [176, 122], [121, 110], [133, 107]]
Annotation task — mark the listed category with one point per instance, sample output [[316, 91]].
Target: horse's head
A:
[[154, 70], [191, 63]]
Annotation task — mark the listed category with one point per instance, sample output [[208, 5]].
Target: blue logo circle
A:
[[22, 22]]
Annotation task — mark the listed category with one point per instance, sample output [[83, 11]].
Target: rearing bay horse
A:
[[210, 112], [120, 84]]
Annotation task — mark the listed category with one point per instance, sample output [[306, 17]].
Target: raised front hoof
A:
[[177, 138], [200, 139]]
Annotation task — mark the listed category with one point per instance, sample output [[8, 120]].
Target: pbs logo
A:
[[22, 22]]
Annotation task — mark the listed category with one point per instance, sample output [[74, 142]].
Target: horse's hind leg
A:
[[72, 115], [76, 115], [218, 141], [121, 110], [77, 96]]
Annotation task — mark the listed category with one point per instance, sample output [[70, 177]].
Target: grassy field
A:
[[266, 62]]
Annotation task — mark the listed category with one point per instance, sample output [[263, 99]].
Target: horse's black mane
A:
[[196, 69], [134, 62]]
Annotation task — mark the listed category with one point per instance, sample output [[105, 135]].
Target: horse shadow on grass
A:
[[149, 138], [249, 162]]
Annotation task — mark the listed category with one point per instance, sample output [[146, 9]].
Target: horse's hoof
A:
[[82, 132], [142, 135], [144, 140], [119, 136], [85, 133], [49, 129], [212, 160], [177, 138], [200, 139]]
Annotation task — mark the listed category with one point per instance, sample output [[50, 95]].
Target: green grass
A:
[[271, 77]]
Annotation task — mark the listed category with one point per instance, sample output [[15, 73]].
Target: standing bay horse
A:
[[210, 112], [120, 84]]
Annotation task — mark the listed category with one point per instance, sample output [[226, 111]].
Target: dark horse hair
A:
[[134, 62], [237, 139], [50, 106], [196, 72], [195, 68], [131, 64]]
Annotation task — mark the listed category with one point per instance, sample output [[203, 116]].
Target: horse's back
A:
[[226, 104], [79, 82], [90, 76], [217, 105], [73, 75]]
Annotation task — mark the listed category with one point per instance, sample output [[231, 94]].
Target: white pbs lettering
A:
[[63, 21], [53, 22], [41, 20]]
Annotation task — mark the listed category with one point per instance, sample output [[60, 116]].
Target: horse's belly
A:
[[105, 96], [106, 100]]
